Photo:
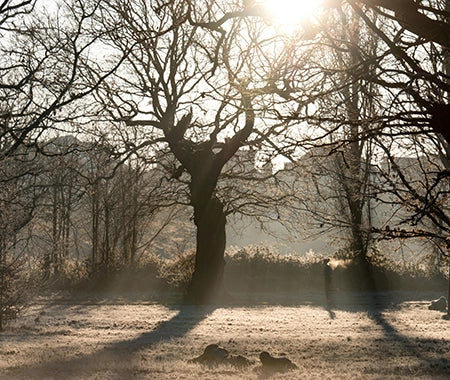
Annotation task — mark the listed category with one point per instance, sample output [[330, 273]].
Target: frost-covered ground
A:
[[363, 336]]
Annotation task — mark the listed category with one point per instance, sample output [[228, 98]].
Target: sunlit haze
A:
[[290, 11]]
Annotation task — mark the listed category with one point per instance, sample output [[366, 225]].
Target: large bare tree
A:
[[198, 79]]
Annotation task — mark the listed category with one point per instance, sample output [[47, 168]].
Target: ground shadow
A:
[[330, 311], [431, 353], [186, 319]]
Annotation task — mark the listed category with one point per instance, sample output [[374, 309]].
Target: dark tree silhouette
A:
[[195, 82]]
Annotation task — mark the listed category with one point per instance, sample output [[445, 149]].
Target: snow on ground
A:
[[363, 336]]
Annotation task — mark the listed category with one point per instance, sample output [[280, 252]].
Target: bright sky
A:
[[290, 12]]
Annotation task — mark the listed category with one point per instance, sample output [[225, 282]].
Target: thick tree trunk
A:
[[204, 163], [206, 284]]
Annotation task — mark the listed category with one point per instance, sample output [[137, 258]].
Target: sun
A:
[[290, 12]]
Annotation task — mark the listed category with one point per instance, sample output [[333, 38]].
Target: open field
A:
[[373, 336]]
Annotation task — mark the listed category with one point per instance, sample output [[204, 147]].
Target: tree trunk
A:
[[106, 251], [3, 282], [95, 228], [206, 284], [51, 263], [448, 295]]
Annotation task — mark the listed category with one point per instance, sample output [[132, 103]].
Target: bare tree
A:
[[408, 28], [62, 193], [355, 110], [46, 68], [197, 80], [19, 193], [49, 71], [429, 22], [120, 199], [422, 19]]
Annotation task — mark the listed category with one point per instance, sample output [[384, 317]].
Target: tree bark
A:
[[206, 283]]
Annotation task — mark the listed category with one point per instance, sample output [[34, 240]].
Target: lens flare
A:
[[290, 12]]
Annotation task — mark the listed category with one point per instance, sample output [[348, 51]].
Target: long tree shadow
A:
[[186, 319], [430, 354]]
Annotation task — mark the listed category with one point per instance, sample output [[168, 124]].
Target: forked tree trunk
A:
[[204, 164], [206, 284]]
